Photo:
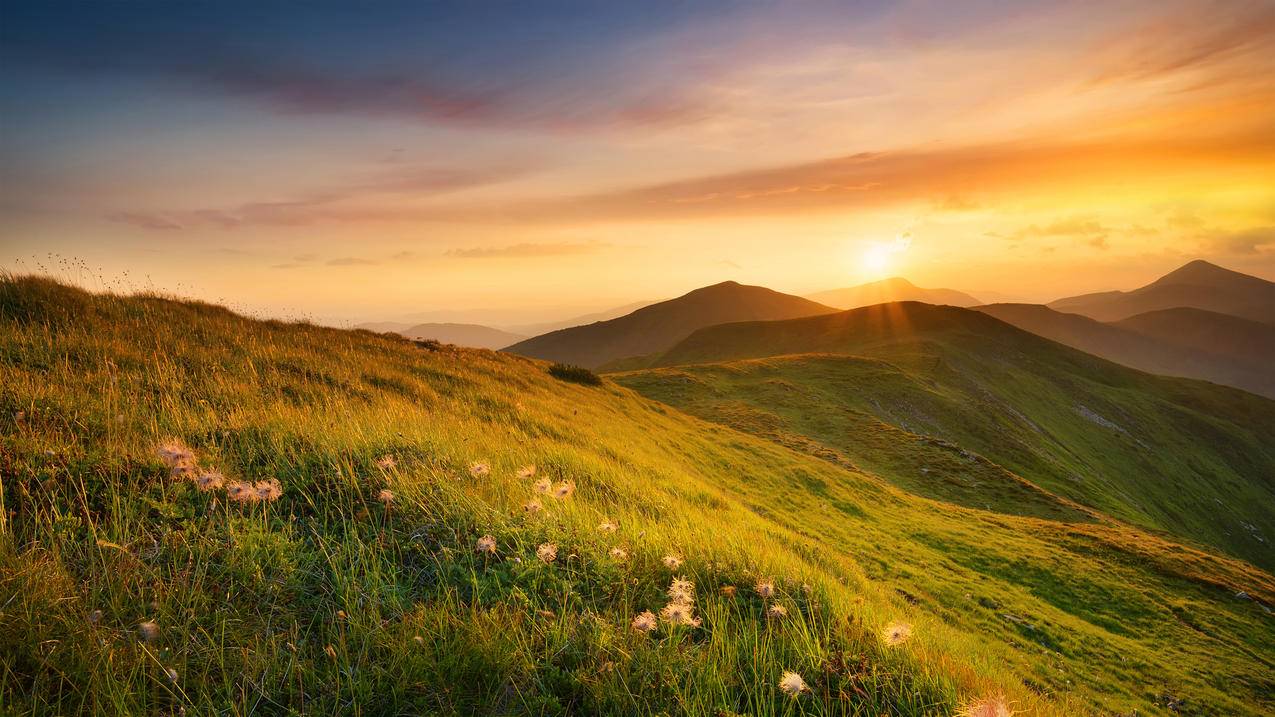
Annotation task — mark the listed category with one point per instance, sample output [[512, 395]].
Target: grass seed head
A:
[[672, 562], [209, 480], [618, 553], [486, 544], [776, 612], [386, 462], [682, 591], [677, 613], [608, 527], [532, 507], [547, 552], [791, 684], [994, 706], [766, 588], [268, 490], [526, 472], [386, 496], [896, 633], [544, 485], [241, 492], [148, 630], [564, 490], [728, 591], [479, 469], [644, 622]]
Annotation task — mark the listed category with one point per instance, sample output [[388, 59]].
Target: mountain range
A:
[[887, 290], [1198, 284], [656, 327]]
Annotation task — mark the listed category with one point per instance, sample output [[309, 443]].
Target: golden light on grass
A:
[[386, 462]]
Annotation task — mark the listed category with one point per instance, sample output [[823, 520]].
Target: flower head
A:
[[547, 552], [174, 453], [672, 562], [896, 633], [148, 631], [619, 553], [792, 685], [268, 490], [564, 490], [766, 588], [209, 480], [678, 613], [486, 544], [776, 611], [608, 527], [644, 621], [241, 492], [171, 673], [532, 507], [386, 462], [479, 469], [544, 485], [386, 496], [994, 706], [682, 590], [727, 591], [526, 472]]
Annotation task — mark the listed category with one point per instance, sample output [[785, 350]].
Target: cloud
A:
[[528, 250], [1257, 240], [145, 220], [351, 261], [1093, 233]]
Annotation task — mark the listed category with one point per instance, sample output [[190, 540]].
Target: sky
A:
[[513, 162]]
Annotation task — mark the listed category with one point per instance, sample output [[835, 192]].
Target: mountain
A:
[[1198, 285], [546, 327], [1145, 449], [471, 335], [1192, 343], [360, 582], [382, 327], [658, 326], [887, 290]]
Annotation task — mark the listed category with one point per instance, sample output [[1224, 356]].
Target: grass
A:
[[956, 405], [329, 600]]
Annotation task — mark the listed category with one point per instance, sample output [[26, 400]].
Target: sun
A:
[[876, 259]]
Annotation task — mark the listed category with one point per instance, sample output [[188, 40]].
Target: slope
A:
[[1145, 449], [1173, 342], [1198, 284], [338, 597], [887, 290], [655, 328]]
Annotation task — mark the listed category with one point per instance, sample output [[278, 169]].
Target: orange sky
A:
[[1030, 151]]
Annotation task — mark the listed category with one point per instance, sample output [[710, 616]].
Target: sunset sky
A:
[[510, 162]]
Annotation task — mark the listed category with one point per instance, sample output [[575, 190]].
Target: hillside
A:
[[656, 327], [1145, 449], [888, 290], [353, 584], [470, 335], [1198, 285], [1173, 342]]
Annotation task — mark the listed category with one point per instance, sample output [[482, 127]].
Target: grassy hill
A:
[[1192, 343], [1145, 449], [656, 327], [355, 585], [887, 290], [1198, 285]]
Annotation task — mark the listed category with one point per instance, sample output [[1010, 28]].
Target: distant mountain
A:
[[887, 290], [657, 327], [546, 327], [982, 404], [382, 327], [1198, 285], [470, 335], [1191, 343]]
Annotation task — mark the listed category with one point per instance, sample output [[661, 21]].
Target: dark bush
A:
[[574, 374]]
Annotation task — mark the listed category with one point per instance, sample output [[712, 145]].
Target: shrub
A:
[[574, 374]]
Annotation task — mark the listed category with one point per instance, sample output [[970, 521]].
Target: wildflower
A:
[[386, 496], [175, 453], [807, 589], [340, 615], [386, 462], [994, 706], [766, 588], [486, 544], [241, 492], [682, 591], [526, 472], [418, 640], [532, 507], [791, 684], [676, 613], [896, 633], [330, 650], [608, 527], [479, 469], [776, 611], [268, 490], [172, 674], [619, 553], [544, 485], [728, 591], [209, 480], [564, 490], [95, 617], [148, 630], [644, 621], [547, 552], [672, 562]]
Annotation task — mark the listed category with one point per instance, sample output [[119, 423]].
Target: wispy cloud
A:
[[527, 250], [351, 261]]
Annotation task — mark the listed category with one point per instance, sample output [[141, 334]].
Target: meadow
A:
[[204, 513]]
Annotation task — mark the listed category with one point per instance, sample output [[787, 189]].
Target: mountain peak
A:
[[1198, 271]]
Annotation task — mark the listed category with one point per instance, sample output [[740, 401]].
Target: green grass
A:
[[329, 601], [980, 406]]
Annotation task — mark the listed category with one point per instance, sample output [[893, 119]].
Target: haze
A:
[[446, 161]]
